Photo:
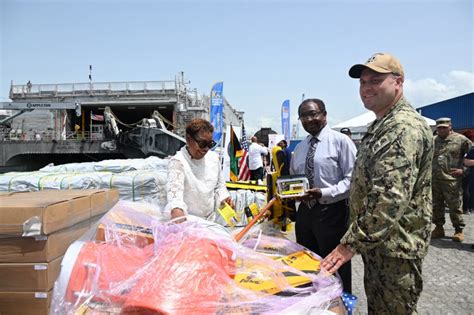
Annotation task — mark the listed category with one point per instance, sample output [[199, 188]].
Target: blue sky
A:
[[263, 51]]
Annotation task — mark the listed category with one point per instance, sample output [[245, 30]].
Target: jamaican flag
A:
[[235, 152]]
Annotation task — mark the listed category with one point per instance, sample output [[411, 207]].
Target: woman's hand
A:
[[229, 201]]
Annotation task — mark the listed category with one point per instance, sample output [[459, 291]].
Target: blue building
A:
[[460, 109]]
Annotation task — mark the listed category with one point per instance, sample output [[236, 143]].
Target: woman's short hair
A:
[[198, 124]]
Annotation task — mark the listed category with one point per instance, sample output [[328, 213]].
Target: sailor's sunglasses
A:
[[204, 144]]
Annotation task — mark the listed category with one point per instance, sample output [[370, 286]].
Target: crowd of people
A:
[[378, 200]]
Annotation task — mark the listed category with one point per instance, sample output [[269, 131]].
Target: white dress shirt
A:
[[255, 155], [333, 163], [195, 186]]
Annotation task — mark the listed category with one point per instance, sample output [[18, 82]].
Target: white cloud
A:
[[418, 92], [428, 91], [256, 124]]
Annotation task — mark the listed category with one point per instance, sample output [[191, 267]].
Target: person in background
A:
[[390, 196], [284, 146], [347, 132], [449, 150], [37, 136], [195, 181], [469, 162], [327, 158], [256, 150], [279, 160], [467, 181]]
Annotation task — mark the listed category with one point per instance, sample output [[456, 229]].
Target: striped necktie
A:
[[309, 169]]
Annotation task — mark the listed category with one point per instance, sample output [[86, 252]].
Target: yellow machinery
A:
[[282, 210]]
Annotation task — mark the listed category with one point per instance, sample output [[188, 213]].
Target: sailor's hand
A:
[[338, 257], [178, 213]]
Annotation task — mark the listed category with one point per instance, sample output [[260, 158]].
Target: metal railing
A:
[[94, 89], [46, 136]]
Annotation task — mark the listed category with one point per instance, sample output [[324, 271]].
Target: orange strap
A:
[[255, 219]]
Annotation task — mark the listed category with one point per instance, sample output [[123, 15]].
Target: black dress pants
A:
[[256, 174], [321, 228]]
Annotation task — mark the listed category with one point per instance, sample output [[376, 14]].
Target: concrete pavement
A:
[[448, 275]]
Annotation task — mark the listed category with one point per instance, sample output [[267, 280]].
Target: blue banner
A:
[[217, 105], [285, 119]]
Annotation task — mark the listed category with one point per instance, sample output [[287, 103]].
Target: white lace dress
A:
[[195, 186]]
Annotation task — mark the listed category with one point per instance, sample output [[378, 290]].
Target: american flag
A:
[[97, 117], [244, 172]]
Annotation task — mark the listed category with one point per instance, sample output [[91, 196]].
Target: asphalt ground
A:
[[448, 275]]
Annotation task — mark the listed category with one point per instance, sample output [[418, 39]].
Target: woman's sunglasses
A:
[[204, 144]]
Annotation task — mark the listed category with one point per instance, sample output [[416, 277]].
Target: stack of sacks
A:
[[36, 228], [139, 264], [115, 166], [35, 181], [136, 179]]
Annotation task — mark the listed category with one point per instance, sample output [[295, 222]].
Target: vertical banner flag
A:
[[244, 171], [235, 151], [217, 105], [285, 119]]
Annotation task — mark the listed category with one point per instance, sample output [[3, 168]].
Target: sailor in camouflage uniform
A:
[[448, 170], [390, 196]]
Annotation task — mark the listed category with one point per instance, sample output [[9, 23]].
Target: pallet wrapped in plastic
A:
[[140, 264], [115, 166], [149, 185], [34, 181]]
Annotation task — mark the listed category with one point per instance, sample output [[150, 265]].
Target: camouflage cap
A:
[[443, 122], [345, 130], [378, 62]]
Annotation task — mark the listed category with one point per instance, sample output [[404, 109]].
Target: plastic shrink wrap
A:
[[136, 180], [134, 262]]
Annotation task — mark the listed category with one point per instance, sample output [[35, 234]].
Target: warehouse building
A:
[[460, 109]]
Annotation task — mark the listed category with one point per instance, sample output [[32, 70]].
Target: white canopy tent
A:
[[359, 124]]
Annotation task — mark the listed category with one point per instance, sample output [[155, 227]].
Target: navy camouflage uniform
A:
[[390, 200], [447, 189]]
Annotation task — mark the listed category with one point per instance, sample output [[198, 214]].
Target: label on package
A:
[[41, 295]]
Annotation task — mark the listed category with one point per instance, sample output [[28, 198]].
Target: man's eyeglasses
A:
[[204, 144], [309, 115]]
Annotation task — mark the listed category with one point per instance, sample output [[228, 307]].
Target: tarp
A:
[[136, 262], [136, 180], [359, 123]]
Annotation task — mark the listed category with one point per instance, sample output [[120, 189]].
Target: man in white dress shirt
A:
[[326, 157], [256, 151]]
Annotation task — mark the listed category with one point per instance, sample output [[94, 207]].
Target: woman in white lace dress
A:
[[195, 182]]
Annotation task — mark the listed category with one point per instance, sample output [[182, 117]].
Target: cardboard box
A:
[[25, 303], [48, 211], [29, 276], [45, 249]]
